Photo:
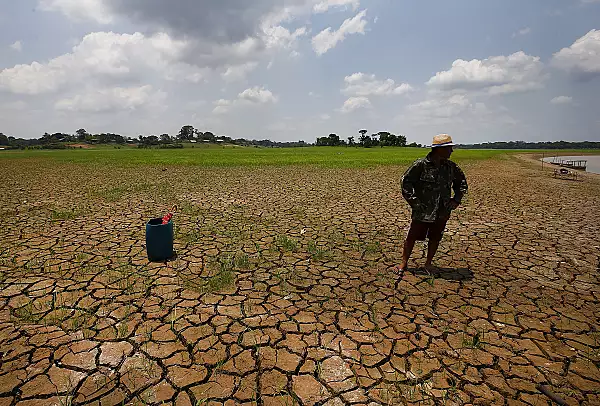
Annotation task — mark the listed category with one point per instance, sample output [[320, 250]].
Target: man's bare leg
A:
[[409, 245], [432, 248], [435, 236]]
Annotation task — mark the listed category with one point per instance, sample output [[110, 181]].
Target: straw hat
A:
[[442, 140]]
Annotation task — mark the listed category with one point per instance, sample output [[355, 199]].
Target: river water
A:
[[593, 161]]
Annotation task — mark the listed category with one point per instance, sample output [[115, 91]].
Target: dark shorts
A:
[[420, 230]]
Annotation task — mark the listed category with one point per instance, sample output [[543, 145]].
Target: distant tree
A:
[[208, 136], [198, 134], [323, 142], [100, 138], [242, 141], [400, 141], [334, 140], [385, 138], [58, 137], [3, 139], [351, 141], [374, 140], [46, 138], [186, 133], [365, 141], [362, 139], [81, 134]]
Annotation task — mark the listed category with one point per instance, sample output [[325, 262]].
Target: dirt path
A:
[[283, 292]]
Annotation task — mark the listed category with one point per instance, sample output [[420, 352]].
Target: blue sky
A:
[[298, 69]]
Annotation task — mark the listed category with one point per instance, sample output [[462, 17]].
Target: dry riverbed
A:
[[283, 290]]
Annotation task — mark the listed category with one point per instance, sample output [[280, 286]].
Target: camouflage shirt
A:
[[428, 188]]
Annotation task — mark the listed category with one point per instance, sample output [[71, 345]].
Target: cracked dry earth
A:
[[283, 291]]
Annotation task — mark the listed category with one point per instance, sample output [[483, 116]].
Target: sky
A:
[[289, 70]]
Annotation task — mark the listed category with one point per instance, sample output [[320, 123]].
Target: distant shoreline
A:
[[593, 161]]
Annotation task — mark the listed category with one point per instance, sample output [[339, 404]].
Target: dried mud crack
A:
[[283, 291]]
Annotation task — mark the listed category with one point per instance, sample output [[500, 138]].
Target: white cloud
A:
[[354, 103], [444, 109], [328, 39], [252, 96], [17, 46], [361, 84], [277, 37], [105, 72], [523, 31], [324, 5], [95, 10], [222, 106], [111, 99], [238, 72], [218, 35], [582, 59], [258, 95], [496, 75], [32, 79], [562, 100], [103, 58]]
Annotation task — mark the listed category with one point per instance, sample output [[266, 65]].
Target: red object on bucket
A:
[[169, 215]]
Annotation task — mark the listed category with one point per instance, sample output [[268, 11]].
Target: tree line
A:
[[534, 145], [381, 139], [190, 134], [187, 134], [61, 140], [193, 135]]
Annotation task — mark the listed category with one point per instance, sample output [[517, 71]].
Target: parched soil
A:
[[283, 290]]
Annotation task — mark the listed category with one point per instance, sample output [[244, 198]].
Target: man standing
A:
[[427, 187]]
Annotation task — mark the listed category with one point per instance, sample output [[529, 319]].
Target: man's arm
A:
[[410, 182], [459, 184]]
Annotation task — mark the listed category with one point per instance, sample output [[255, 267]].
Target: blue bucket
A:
[[159, 240]]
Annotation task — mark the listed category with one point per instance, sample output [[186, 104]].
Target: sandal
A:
[[399, 270]]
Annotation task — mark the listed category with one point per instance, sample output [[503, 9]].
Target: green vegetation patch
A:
[[329, 157]]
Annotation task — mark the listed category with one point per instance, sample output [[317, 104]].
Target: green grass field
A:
[[338, 157]]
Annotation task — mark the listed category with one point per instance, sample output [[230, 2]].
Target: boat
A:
[[571, 164], [580, 165]]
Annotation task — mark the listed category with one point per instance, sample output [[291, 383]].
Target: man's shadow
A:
[[449, 274]]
